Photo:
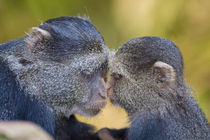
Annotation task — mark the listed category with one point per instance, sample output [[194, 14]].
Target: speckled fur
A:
[[155, 114], [48, 68]]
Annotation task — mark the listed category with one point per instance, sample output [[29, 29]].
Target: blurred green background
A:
[[186, 22]]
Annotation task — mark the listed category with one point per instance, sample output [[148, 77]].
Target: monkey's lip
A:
[[101, 104], [89, 110], [97, 105], [92, 112]]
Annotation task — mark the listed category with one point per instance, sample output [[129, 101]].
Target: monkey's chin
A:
[[88, 112], [91, 110]]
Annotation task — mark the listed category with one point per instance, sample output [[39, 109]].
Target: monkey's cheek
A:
[[111, 92], [114, 101]]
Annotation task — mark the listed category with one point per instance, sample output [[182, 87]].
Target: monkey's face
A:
[[125, 88], [131, 92], [85, 78], [67, 71], [95, 96], [68, 88], [135, 87]]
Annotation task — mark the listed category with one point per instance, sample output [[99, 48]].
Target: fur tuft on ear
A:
[[36, 38], [164, 74], [40, 31]]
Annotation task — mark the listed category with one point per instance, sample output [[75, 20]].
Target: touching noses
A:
[[102, 89], [109, 86]]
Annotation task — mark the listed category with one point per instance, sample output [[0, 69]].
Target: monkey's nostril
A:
[[103, 94]]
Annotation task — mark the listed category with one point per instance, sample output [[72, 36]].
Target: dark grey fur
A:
[[40, 79], [155, 114]]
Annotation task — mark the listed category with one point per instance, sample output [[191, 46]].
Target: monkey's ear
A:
[[164, 74], [37, 37]]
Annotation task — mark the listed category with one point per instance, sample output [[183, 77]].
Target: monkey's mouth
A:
[[92, 112], [96, 105], [95, 108], [89, 112]]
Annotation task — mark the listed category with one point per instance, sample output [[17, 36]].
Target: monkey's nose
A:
[[103, 93], [102, 90], [109, 88]]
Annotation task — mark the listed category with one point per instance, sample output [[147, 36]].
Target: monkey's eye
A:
[[24, 62], [116, 76]]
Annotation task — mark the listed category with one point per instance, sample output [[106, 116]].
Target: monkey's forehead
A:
[[116, 66], [90, 62]]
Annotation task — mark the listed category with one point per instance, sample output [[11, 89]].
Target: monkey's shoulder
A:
[[148, 125], [16, 104], [164, 125]]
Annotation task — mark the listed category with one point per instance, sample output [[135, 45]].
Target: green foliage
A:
[[3, 137]]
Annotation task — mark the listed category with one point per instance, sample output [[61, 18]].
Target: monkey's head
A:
[[64, 64], [144, 72]]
